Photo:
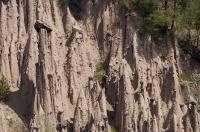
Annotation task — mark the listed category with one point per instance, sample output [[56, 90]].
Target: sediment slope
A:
[[51, 72]]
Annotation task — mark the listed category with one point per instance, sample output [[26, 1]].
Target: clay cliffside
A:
[[51, 64]]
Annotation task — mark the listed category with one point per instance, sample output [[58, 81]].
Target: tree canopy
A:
[[182, 16]]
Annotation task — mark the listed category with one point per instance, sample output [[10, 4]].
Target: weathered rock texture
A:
[[51, 69]]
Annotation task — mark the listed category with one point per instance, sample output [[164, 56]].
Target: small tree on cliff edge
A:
[[4, 89]]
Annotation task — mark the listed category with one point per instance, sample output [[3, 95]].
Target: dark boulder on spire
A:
[[41, 24]]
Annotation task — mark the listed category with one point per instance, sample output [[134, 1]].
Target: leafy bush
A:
[[100, 73], [113, 129], [128, 3], [64, 3], [196, 79], [4, 89], [184, 77], [192, 84]]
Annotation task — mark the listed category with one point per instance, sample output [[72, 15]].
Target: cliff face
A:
[[51, 69]]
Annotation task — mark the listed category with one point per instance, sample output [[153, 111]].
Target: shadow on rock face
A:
[[75, 6], [22, 102], [5, 1]]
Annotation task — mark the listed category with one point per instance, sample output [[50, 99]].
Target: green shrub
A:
[[192, 84], [100, 73], [64, 3], [4, 89], [184, 77], [196, 79], [127, 3], [113, 129], [184, 42]]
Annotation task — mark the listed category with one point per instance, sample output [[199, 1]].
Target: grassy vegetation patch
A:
[[100, 73], [4, 89], [113, 129], [192, 85], [184, 77]]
